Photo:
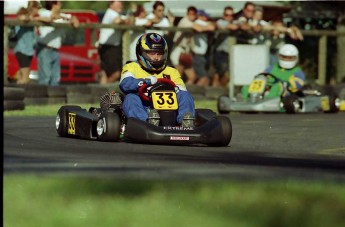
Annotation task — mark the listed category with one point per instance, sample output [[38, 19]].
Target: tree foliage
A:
[[94, 5]]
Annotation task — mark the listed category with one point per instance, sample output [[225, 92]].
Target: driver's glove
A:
[[150, 80]]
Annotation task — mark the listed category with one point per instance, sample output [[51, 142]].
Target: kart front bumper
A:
[[212, 133]]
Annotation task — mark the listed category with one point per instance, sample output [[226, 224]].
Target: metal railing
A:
[[322, 46]]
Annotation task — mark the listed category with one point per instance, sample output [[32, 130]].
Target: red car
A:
[[78, 54]]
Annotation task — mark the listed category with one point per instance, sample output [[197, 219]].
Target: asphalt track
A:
[[263, 146]]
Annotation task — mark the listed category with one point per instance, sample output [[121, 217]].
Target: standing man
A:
[[158, 19], [199, 49], [222, 47], [110, 50], [26, 39], [49, 42], [244, 19], [181, 56]]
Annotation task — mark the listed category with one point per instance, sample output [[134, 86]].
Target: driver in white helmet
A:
[[287, 71], [152, 53]]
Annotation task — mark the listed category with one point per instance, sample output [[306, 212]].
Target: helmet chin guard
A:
[[287, 64]]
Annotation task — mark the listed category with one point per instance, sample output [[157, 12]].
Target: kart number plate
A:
[[164, 100], [325, 103], [257, 86], [71, 123]]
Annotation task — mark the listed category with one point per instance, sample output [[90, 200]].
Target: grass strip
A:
[[33, 200]]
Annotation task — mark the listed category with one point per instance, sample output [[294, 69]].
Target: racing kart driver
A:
[[151, 64], [287, 71]]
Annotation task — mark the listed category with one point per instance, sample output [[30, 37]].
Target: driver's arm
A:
[[130, 84], [296, 81]]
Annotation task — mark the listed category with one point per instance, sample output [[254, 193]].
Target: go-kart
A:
[[108, 123], [305, 101]]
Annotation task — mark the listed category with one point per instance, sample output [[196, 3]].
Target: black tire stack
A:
[[76, 94], [35, 94], [215, 92], [57, 94], [14, 98], [198, 92]]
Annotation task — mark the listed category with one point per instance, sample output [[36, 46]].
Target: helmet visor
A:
[[157, 58], [287, 58]]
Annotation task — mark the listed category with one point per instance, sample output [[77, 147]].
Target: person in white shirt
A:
[[200, 47], [110, 39], [181, 56], [158, 18], [49, 42], [258, 25], [244, 19], [139, 20]]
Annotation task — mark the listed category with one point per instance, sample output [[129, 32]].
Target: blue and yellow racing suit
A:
[[133, 76]]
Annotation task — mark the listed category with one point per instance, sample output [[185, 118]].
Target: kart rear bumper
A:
[[267, 105]]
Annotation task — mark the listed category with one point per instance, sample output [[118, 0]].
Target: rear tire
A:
[[108, 127], [288, 104], [13, 105], [61, 123], [14, 93], [333, 106]]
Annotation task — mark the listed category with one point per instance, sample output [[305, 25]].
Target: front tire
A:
[[108, 127], [222, 103], [61, 123], [226, 125]]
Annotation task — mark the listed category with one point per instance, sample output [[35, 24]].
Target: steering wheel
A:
[[143, 89], [269, 75]]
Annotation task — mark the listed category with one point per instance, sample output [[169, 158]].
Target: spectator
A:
[[158, 18], [26, 39], [139, 20], [181, 56], [258, 25], [222, 47], [276, 39], [110, 50], [244, 19], [200, 46], [49, 42], [293, 31]]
